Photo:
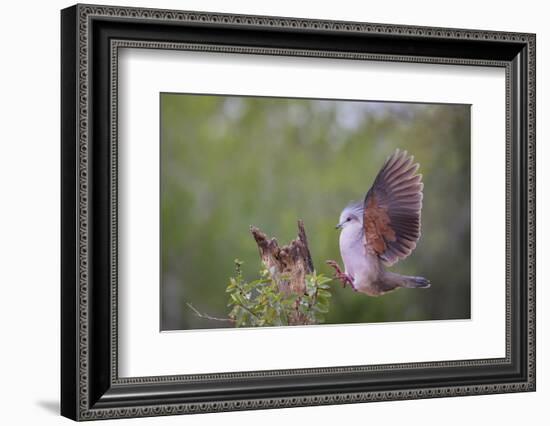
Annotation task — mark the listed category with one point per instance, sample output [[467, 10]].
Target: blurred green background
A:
[[229, 162]]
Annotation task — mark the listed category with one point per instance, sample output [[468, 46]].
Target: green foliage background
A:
[[231, 162]]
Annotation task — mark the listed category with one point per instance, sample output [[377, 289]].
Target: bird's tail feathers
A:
[[391, 280], [415, 282]]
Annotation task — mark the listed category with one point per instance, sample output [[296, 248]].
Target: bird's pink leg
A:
[[339, 274]]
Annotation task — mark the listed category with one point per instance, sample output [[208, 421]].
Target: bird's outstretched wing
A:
[[391, 211]]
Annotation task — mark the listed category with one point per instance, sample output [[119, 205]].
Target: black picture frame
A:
[[90, 386]]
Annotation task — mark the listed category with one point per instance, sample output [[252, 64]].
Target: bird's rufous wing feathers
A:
[[391, 212]]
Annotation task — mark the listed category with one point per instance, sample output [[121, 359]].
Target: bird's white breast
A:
[[362, 267]]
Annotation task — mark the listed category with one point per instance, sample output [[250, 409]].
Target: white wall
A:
[[29, 210]]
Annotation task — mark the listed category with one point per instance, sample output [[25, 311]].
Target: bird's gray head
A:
[[351, 215]]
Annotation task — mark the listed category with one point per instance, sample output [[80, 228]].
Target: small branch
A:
[[246, 308], [208, 317]]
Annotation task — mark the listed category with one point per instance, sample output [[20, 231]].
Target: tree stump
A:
[[287, 265]]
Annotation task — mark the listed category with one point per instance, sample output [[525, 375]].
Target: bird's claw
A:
[[340, 275]]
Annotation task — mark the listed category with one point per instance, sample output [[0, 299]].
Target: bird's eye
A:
[[348, 219]]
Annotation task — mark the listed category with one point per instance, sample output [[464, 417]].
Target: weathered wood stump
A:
[[287, 265]]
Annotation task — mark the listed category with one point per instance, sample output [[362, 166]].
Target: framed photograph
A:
[[263, 212]]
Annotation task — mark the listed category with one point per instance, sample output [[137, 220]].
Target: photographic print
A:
[[286, 211]]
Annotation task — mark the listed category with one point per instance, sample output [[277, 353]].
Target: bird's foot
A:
[[340, 275]]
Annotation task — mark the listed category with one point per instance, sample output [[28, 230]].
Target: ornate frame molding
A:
[[91, 400]]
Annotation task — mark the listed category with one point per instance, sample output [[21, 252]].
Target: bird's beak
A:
[[339, 226]]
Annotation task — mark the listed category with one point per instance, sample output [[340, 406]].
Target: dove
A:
[[382, 229]]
